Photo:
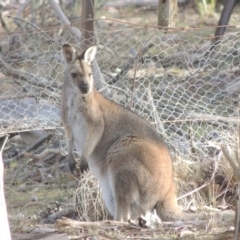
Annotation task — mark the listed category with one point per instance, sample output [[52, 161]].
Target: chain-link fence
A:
[[187, 93]]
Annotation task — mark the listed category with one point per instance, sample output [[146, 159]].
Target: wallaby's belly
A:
[[79, 139], [106, 185]]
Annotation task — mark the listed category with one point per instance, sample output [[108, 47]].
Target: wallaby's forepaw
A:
[[77, 168], [72, 166], [71, 162], [83, 167]]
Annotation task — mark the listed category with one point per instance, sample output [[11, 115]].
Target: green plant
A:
[[205, 7]]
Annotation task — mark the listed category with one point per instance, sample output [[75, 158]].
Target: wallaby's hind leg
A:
[[167, 208], [122, 210], [122, 197]]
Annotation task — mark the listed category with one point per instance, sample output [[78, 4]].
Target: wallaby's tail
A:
[[168, 209]]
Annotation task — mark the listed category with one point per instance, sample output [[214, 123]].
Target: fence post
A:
[[87, 25], [167, 13]]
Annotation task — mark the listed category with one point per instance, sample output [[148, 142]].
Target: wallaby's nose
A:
[[84, 88]]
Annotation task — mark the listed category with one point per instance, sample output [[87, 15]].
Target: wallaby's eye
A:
[[74, 75], [90, 74]]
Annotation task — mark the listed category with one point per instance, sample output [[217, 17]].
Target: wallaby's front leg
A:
[[83, 165], [92, 138], [71, 159]]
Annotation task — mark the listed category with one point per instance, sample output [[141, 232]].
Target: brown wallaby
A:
[[123, 151]]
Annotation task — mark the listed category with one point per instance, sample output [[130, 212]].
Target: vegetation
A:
[[205, 7]]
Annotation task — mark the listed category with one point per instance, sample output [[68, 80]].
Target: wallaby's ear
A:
[[69, 53], [90, 53]]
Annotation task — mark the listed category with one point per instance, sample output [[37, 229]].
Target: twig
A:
[[64, 20], [43, 179], [129, 64], [233, 163], [193, 191], [43, 154], [33, 25], [4, 143], [60, 214], [160, 125], [20, 10], [140, 54], [20, 95], [64, 222], [47, 186], [37, 81], [37, 143]]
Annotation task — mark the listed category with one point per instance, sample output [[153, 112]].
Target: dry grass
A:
[[200, 184], [205, 183], [25, 208], [89, 202]]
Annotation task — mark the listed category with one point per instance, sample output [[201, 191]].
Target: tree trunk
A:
[[167, 13], [87, 26]]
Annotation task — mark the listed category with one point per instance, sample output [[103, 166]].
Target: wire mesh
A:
[[191, 97]]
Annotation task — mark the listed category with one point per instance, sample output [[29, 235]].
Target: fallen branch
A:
[[39, 236], [64, 20], [34, 145], [43, 154], [60, 214], [35, 80], [66, 222], [221, 236], [47, 186], [130, 63], [19, 12], [33, 25]]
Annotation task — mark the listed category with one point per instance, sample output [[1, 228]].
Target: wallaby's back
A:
[[119, 122]]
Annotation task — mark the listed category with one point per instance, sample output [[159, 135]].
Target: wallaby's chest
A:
[[76, 121]]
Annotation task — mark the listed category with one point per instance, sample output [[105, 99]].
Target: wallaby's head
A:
[[79, 67]]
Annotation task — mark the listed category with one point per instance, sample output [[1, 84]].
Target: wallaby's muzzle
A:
[[84, 88]]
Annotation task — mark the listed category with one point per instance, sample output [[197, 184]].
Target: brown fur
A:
[[124, 152]]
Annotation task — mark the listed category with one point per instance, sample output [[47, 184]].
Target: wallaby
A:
[[123, 151]]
